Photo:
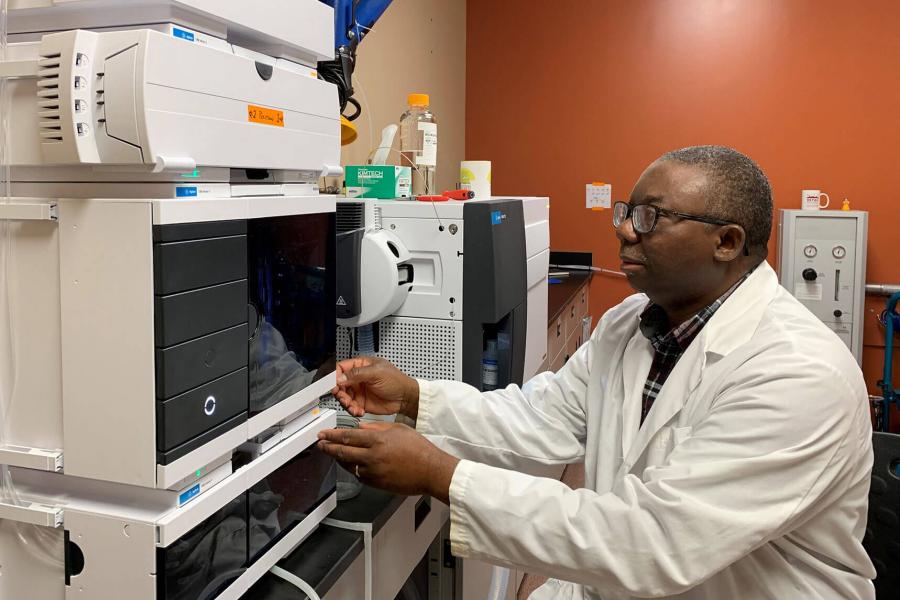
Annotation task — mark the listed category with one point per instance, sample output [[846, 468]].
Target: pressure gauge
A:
[[810, 251], [839, 252]]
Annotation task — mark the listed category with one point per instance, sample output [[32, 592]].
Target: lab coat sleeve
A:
[[528, 429], [771, 450]]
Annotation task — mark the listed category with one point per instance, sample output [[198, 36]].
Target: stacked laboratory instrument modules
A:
[[169, 294]]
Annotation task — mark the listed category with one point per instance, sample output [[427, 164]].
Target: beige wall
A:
[[416, 46]]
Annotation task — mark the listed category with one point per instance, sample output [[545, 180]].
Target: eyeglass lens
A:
[[643, 216]]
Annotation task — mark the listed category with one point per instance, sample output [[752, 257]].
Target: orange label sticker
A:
[[265, 116]]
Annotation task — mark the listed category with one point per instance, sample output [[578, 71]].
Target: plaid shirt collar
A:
[[670, 343], [655, 323]]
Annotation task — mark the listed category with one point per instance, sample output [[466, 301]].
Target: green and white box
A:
[[378, 181]]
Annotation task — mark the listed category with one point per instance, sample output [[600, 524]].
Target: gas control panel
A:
[[822, 261]]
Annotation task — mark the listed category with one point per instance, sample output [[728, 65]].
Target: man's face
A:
[[674, 263]]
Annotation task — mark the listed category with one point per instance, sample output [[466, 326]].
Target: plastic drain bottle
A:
[[418, 143]]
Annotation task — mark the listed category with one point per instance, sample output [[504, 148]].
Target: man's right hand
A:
[[374, 385]]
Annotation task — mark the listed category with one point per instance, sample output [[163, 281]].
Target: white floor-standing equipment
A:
[[428, 285]]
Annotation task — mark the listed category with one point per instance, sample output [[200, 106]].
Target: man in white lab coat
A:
[[725, 430]]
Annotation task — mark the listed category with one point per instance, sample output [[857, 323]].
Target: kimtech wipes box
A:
[[378, 181]]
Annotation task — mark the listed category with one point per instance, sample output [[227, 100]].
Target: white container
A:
[[812, 200], [475, 175]]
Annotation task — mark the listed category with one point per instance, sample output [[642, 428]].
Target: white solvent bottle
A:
[[418, 144]]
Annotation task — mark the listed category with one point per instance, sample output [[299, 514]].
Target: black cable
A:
[[332, 71], [358, 112], [339, 71]]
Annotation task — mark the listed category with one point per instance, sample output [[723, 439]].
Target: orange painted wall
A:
[[560, 94]]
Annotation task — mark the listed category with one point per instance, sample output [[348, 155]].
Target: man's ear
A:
[[731, 243]]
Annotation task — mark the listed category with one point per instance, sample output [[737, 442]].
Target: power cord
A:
[[295, 581]]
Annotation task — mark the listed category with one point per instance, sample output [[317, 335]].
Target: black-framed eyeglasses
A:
[[645, 216]]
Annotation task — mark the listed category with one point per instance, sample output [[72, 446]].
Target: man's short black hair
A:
[[738, 190]]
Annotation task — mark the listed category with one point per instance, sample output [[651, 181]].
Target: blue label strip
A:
[[186, 192], [496, 218], [181, 33], [189, 494]]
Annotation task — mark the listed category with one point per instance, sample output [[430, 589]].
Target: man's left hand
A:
[[393, 457]]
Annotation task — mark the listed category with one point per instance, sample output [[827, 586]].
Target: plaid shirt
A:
[[670, 344]]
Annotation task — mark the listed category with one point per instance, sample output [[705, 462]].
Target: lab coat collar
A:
[[733, 324], [635, 365], [737, 319]]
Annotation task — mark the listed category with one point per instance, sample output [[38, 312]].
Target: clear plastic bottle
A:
[[418, 143], [489, 367]]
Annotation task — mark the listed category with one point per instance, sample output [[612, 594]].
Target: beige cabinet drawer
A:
[[583, 301], [400, 544], [572, 316], [572, 344], [556, 337], [558, 361]]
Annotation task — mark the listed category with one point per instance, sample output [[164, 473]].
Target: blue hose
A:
[[886, 385], [365, 340]]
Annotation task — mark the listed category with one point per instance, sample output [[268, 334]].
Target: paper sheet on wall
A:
[[598, 195]]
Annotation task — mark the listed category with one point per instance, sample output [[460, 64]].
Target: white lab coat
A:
[[748, 480]]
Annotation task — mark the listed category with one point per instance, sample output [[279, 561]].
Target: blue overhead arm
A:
[[353, 20], [349, 29]]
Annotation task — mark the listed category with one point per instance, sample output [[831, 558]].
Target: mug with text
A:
[[812, 200]]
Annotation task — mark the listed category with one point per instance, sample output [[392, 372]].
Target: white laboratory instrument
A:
[[376, 274], [171, 290], [466, 274], [822, 262], [141, 258], [74, 538], [156, 100], [479, 272]]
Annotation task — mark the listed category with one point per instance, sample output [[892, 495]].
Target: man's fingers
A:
[[346, 366], [345, 454], [375, 426], [349, 437], [343, 397], [352, 363], [358, 375], [350, 404]]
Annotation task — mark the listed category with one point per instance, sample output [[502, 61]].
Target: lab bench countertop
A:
[[560, 294]]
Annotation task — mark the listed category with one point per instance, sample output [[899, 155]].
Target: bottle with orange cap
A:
[[418, 143]]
